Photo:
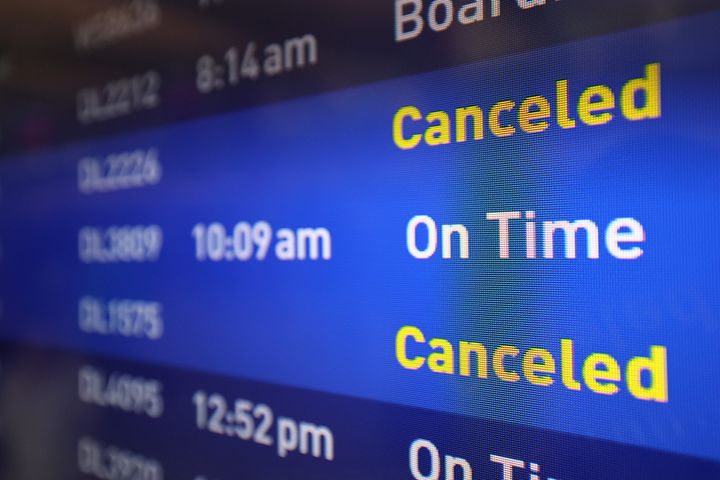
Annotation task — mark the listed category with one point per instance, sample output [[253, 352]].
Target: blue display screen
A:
[[421, 240]]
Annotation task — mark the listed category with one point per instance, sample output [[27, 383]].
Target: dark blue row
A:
[[39, 403], [356, 45]]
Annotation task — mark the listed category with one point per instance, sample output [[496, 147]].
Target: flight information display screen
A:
[[381, 239]]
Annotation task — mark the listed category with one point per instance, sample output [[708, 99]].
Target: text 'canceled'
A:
[[638, 99]]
